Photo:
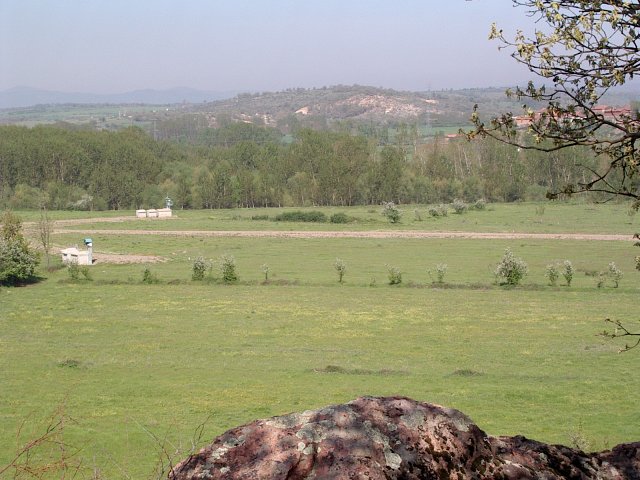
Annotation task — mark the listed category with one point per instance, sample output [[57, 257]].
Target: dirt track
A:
[[356, 234], [60, 224], [374, 234]]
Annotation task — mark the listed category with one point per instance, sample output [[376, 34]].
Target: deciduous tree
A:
[[580, 49]]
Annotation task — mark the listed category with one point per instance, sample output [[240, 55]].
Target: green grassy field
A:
[[514, 217], [132, 361], [102, 115]]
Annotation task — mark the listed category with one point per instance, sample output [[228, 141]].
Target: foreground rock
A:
[[393, 438]]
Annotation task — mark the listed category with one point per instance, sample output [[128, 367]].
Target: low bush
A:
[[339, 218], [149, 278], [480, 204], [260, 217], [300, 216], [439, 210], [73, 270], [391, 212], [459, 206], [86, 273]]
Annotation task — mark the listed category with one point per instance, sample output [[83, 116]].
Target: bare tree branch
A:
[[621, 331]]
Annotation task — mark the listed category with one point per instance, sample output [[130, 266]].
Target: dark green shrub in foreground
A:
[[18, 262], [300, 216]]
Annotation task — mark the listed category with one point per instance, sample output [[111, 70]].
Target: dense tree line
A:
[[245, 165]]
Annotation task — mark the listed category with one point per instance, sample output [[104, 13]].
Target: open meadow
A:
[[138, 365]]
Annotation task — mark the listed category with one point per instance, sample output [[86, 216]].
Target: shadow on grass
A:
[[336, 369]]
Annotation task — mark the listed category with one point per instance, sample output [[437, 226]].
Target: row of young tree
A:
[[244, 165]]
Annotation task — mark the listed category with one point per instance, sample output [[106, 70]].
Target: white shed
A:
[[73, 255]]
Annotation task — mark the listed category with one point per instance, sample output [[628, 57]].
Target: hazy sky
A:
[[112, 46]]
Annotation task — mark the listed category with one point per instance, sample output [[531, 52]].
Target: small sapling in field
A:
[[341, 268], [568, 272], [394, 274], [511, 269], [615, 274], [391, 211], [73, 270], [228, 268], [459, 206], [149, 278], [439, 273], [200, 267], [552, 273]]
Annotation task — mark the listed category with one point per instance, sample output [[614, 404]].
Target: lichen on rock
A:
[[393, 438]]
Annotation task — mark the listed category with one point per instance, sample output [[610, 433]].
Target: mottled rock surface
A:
[[393, 438]]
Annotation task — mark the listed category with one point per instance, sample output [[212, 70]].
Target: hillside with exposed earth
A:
[[326, 107], [358, 104]]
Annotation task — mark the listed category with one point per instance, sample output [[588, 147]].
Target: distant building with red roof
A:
[[614, 114]]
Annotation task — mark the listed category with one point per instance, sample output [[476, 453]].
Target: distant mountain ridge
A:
[[19, 97]]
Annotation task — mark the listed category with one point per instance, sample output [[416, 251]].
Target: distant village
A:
[[612, 114]]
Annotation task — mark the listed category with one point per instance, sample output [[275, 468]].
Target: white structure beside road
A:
[[154, 213]]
